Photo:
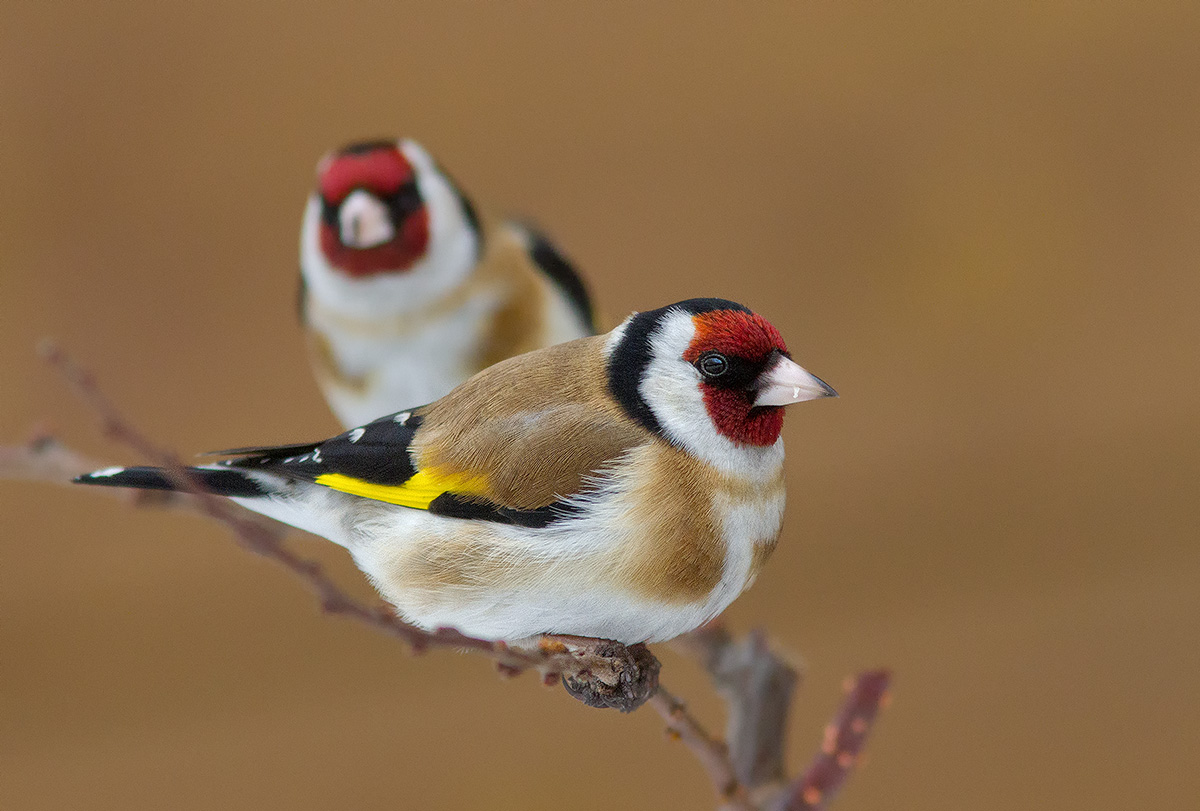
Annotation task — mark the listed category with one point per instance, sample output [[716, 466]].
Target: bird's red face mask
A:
[[373, 218], [747, 375]]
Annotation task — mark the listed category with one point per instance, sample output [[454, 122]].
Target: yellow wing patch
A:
[[417, 492]]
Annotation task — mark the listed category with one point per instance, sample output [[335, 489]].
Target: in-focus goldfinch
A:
[[407, 291], [626, 486]]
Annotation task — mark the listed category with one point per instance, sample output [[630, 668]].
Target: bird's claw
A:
[[631, 678]]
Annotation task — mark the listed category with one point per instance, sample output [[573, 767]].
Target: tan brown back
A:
[[535, 425]]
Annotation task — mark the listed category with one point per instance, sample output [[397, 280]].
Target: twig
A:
[[842, 747], [757, 686], [711, 753], [43, 459]]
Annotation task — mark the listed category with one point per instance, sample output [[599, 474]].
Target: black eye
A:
[[712, 364]]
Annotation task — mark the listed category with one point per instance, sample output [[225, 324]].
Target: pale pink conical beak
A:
[[364, 221], [787, 382]]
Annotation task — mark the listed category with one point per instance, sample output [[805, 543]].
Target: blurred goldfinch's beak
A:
[[364, 222], [786, 382]]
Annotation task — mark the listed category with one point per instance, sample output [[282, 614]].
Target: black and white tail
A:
[[299, 503], [218, 480], [284, 481]]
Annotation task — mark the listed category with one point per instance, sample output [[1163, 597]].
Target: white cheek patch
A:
[[364, 221], [671, 385]]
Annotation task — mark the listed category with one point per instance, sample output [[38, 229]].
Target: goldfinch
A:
[[407, 291], [625, 486]]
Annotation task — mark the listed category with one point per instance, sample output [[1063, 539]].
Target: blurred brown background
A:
[[980, 224]]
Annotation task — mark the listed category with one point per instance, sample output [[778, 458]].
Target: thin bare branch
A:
[[711, 753], [842, 746], [43, 459], [757, 686]]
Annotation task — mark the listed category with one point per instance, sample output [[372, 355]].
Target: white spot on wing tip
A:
[[104, 474], [356, 434], [402, 417]]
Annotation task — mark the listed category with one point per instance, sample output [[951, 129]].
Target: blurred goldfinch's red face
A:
[[373, 218]]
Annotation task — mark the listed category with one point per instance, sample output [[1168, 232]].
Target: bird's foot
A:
[[617, 676]]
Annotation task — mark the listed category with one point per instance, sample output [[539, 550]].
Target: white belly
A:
[[498, 581]]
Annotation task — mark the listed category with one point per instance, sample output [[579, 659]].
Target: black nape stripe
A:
[[628, 362], [627, 365], [562, 273], [453, 506]]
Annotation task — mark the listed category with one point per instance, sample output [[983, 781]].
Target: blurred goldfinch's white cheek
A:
[[364, 222]]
